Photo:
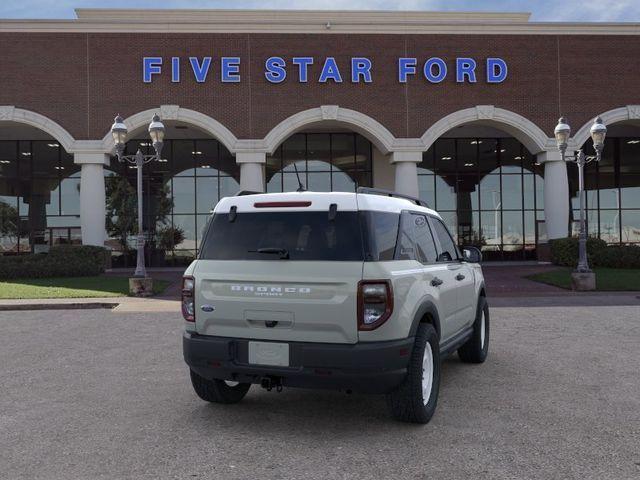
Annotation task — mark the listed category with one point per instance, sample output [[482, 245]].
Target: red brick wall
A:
[[82, 80]]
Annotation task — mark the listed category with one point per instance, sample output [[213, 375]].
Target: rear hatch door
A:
[[282, 269], [278, 300]]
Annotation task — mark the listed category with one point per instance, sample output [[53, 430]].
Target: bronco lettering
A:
[[269, 289]]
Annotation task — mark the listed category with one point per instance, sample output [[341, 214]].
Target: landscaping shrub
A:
[[565, 252], [61, 261], [618, 256]]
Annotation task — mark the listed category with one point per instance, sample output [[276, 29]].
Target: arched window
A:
[[488, 191], [612, 189], [325, 161], [179, 193], [39, 196]]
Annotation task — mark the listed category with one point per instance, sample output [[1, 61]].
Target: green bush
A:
[[565, 252], [62, 261], [618, 256]]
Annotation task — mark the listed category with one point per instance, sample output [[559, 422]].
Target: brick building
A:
[[457, 108]]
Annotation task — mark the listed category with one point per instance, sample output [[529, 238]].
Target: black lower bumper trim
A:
[[372, 367]]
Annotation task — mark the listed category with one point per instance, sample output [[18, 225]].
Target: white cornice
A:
[[293, 16], [297, 21]]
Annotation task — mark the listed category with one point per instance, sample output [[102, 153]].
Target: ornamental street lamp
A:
[[156, 132], [598, 132]]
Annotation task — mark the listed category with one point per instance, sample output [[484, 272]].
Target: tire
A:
[[476, 349], [218, 391], [407, 402]]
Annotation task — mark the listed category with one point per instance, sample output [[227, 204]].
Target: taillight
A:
[[375, 303], [188, 302]]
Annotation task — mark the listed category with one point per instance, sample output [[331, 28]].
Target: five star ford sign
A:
[[361, 69]]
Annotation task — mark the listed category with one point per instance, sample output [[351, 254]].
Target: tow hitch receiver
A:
[[271, 382]]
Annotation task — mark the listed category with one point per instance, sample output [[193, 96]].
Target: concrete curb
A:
[[57, 306]]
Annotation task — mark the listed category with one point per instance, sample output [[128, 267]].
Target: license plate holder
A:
[[269, 353]]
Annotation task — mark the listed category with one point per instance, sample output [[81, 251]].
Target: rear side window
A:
[[449, 251], [268, 235], [380, 234], [425, 246], [415, 241]]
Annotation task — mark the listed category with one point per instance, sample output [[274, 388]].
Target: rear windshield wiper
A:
[[283, 252]]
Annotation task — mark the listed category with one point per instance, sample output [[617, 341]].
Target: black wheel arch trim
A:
[[482, 289], [428, 307]]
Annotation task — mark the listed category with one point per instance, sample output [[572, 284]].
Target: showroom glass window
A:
[[39, 196], [194, 174], [325, 161], [612, 189], [489, 192]]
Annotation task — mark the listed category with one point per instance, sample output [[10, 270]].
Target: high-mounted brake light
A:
[[188, 302], [375, 303], [281, 204]]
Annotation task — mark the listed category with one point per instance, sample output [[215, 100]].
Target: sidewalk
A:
[[504, 280], [117, 304], [506, 287]]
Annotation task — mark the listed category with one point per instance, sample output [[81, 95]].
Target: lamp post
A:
[[583, 277], [156, 132]]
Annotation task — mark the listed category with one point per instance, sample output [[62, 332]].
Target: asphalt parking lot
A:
[[98, 394]]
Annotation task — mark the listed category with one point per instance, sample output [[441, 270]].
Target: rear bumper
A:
[[375, 367]]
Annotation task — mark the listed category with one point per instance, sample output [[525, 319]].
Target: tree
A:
[[122, 208], [9, 222]]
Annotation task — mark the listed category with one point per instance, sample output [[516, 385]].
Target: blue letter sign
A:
[[428, 70], [275, 69], [496, 70], [465, 67], [230, 69], [200, 70], [360, 67], [150, 66], [330, 71], [303, 66], [406, 66], [434, 69]]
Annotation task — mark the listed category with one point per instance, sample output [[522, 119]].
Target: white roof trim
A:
[[311, 21]]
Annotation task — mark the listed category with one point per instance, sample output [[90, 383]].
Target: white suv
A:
[[354, 291]]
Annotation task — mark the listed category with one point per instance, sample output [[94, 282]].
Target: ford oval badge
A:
[[207, 308]]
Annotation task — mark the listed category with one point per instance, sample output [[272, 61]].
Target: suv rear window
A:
[[351, 236], [268, 235]]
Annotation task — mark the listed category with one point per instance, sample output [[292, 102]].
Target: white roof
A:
[[318, 201]]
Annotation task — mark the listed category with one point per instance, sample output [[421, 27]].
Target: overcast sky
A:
[[542, 10]]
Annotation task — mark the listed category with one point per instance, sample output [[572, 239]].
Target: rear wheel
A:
[[476, 349], [218, 391], [416, 398]]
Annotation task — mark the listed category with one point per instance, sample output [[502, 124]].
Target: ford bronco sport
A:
[[361, 292]]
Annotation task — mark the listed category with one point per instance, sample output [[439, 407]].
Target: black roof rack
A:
[[242, 193], [389, 193]]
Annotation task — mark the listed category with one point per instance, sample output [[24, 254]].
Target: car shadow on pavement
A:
[[312, 411]]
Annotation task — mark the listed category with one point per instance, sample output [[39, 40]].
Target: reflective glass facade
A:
[[325, 161], [612, 190], [193, 175], [39, 196], [489, 192]]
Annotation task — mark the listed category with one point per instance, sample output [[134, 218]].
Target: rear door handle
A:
[[460, 277], [436, 282]]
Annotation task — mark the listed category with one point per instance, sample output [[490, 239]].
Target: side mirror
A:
[[472, 254]]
